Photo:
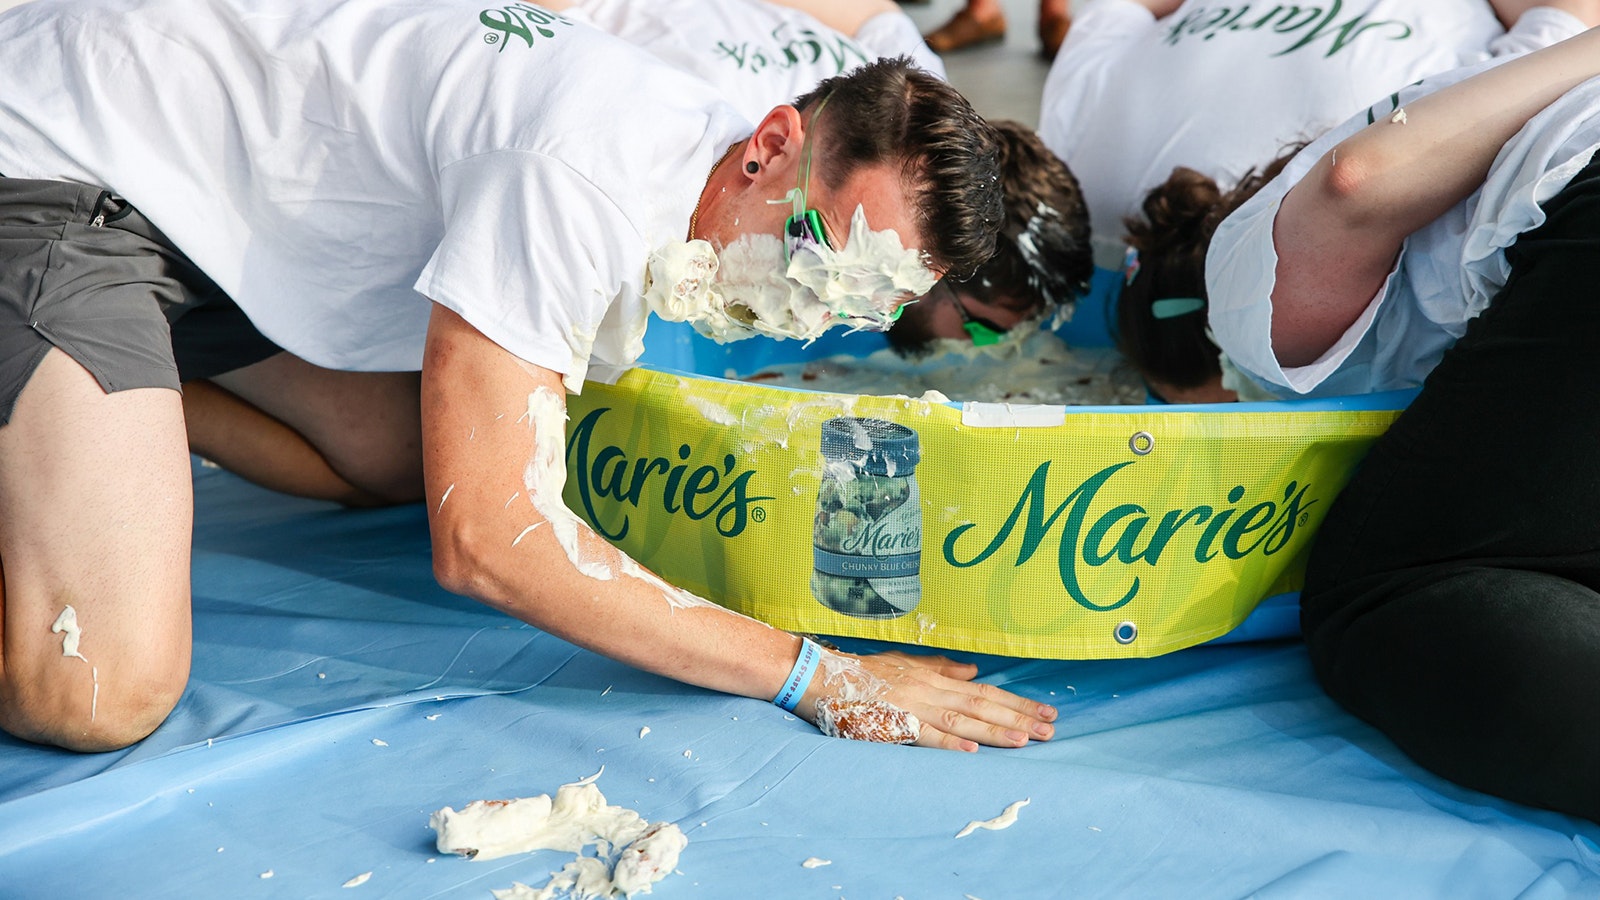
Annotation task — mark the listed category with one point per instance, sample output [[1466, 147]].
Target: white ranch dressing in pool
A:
[[1036, 367]]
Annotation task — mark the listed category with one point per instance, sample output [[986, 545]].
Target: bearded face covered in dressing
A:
[[733, 277]]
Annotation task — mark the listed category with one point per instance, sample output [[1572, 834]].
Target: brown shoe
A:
[[1052, 31], [966, 30]]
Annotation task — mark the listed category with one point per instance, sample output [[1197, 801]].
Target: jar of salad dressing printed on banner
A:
[[867, 541]]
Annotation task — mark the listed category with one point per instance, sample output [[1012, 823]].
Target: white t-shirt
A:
[[1225, 87], [758, 54], [332, 164], [1446, 274]]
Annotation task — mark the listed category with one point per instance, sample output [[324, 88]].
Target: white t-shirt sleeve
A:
[[532, 256], [1100, 35], [1241, 272], [1241, 266], [1540, 26]]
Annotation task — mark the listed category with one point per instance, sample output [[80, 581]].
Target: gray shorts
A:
[[82, 270]]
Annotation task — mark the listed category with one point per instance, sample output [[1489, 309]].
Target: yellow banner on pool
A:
[[1022, 532]]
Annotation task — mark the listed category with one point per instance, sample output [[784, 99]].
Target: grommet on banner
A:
[[1126, 633], [1142, 443]]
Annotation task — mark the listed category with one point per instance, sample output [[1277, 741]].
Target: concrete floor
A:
[[1003, 80]]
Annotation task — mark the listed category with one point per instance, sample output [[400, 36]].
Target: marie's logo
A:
[[1302, 26], [792, 47], [606, 471], [1119, 533], [519, 20]]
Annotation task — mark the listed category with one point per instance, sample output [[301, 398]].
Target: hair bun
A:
[[1175, 212]]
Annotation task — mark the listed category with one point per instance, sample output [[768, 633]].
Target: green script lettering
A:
[[1113, 536], [698, 492]]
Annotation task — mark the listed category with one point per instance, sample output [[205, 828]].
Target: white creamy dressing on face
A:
[[67, 626], [748, 288], [577, 818], [1004, 820], [1037, 368]]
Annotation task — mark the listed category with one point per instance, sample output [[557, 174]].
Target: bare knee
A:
[[92, 708]]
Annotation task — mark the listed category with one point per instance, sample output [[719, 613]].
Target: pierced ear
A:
[[775, 146]]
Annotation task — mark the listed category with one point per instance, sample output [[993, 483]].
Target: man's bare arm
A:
[[501, 536]]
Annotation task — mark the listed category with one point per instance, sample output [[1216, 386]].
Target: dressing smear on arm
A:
[[544, 477]]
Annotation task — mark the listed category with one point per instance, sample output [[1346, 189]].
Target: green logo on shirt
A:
[[518, 20], [1304, 25], [804, 47]]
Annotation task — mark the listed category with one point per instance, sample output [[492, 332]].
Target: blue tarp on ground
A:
[[1219, 771]]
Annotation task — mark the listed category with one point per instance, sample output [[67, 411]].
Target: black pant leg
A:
[[1460, 563]]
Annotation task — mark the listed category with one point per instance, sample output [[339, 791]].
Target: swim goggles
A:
[[983, 334]]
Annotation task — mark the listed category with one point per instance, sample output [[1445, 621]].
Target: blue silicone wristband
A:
[[805, 665]]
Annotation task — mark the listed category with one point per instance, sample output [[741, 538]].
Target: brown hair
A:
[[1171, 235], [889, 110], [1042, 261]]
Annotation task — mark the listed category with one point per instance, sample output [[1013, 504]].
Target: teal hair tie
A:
[[1173, 307]]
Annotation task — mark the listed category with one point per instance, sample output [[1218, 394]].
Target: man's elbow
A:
[[461, 559]]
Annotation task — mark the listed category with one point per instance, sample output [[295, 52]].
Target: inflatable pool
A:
[[1036, 531]]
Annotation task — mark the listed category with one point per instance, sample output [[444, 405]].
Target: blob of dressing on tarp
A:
[[66, 625], [650, 858], [577, 818], [1004, 820]]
